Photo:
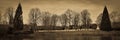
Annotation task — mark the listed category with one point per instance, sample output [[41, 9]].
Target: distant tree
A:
[[63, 20], [54, 19], [46, 19], [34, 16], [9, 14], [85, 18], [76, 20], [70, 14]]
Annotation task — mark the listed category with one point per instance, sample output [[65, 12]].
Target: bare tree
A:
[[9, 14], [85, 18], [54, 19], [76, 20], [63, 20], [34, 16], [46, 19], [69, 13]]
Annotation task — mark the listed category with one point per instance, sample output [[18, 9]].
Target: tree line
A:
[[69, 19]]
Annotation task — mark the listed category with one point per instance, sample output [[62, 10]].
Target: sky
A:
[[95, 7]]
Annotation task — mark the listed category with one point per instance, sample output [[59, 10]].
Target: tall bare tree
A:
[[9, 14], [34, 16], [64, 20], [54, 19], [76, 20], [69, 13], [85, 18], [46, 19]]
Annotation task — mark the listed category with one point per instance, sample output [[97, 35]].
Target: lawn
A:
[[66, 35]]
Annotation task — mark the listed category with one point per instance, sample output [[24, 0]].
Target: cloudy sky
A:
[[95, 7]]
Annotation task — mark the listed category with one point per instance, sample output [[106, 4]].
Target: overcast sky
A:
[[95, 7]]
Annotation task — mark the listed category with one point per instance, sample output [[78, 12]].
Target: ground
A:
[[67, 35]]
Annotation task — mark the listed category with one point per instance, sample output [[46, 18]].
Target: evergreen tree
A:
[[18, 19], [105, 22]]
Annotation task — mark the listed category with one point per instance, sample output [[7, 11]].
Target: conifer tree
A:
[[105, 22]]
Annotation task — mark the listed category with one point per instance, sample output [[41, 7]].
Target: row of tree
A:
[[67, 19]]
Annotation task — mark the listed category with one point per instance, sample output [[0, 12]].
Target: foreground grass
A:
[[77, 35], [66, 35]]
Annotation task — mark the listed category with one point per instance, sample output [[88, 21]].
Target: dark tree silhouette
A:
[[105, 22], [18, 18]]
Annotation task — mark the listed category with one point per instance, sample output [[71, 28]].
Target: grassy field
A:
[[67, 35], [77, 35]]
